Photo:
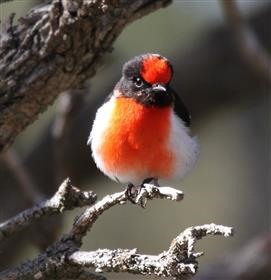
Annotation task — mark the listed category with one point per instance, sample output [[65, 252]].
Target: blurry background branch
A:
[[64, 256], [25, 182], [249, 46], [56, 47], [68, 106], [252, 262]]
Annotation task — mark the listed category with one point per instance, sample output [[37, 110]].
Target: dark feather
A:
[[181, 110]]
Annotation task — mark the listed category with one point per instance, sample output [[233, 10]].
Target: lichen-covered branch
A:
[[64, 260], [178, 260], [66, 198], [56, 47]]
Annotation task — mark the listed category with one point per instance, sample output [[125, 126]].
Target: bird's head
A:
[[146, 79]]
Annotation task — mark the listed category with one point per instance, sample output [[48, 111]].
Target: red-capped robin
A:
[[141, 132]]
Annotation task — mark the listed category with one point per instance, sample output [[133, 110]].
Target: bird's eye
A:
[[138, 82]]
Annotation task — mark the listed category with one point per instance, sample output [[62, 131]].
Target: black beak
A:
[[159, 88]]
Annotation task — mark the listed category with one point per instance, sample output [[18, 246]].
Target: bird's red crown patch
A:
[[156, 69]]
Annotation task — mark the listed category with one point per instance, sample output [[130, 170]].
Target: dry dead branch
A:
[[64, 260]]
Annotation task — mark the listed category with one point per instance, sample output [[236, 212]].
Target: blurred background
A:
[[230, 107]]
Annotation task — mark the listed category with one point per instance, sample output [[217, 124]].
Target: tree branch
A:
[[56, 47], [249, 46], [86, 220], [252, 262], [64, 260], [179, 259], [66, 198]]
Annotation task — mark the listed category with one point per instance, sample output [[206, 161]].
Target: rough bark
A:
[[56, 47]]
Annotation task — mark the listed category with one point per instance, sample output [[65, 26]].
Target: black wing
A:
[[107, 98], [181, 110]]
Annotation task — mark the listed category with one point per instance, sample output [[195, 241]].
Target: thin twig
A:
[[86, 220], [66, 198], [250, 48]]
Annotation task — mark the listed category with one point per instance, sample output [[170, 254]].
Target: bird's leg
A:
[[150, 180], [131, 192]]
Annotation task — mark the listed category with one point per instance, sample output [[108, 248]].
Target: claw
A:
[[134, 193], [131, 193]]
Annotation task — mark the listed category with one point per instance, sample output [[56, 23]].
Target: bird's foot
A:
[[150, 189], [138, 194], [132, 192]]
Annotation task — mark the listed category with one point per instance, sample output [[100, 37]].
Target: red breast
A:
[[137, 139]]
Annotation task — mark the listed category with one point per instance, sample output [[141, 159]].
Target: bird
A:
[[141, 133]]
